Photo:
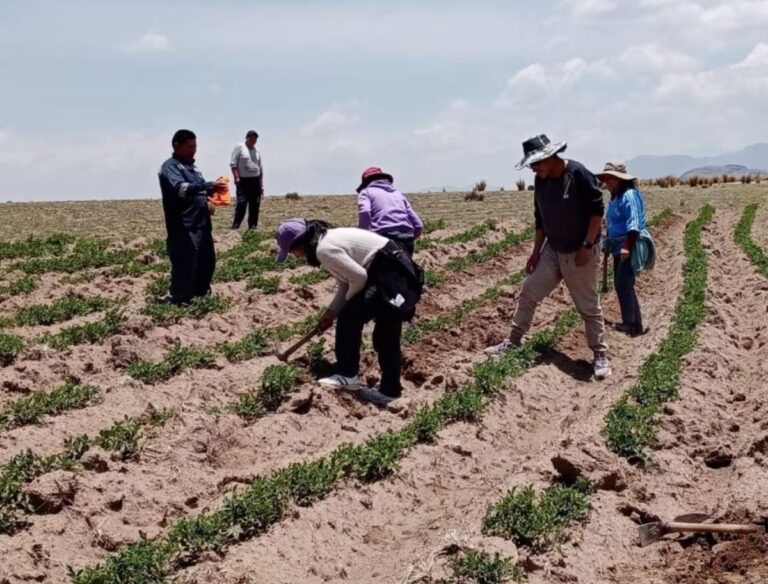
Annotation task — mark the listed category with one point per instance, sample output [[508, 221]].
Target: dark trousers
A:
[[386, 341], [407, 242], [624, 283], [193, 261], [249, 193]]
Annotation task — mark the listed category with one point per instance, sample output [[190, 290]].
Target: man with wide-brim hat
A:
[[568, 209]]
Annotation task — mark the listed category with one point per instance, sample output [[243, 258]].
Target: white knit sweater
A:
[[346, 252]]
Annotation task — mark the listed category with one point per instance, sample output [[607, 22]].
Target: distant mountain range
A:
[[751, 160]]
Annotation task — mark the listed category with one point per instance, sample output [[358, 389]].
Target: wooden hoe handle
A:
[[713, 528], [283, 355]]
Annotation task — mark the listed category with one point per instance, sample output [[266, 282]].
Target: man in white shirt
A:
[[249, 180]]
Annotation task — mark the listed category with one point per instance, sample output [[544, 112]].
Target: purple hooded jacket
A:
[[384, 209]]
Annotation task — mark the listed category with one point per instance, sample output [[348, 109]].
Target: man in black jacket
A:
[[568, 208], [188, 220]]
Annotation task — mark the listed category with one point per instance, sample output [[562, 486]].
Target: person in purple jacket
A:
[[385, 210]]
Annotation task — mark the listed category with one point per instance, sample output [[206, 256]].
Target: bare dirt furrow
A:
[[375, 533]]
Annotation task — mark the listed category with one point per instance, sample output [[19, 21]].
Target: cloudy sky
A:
[[439, 92]]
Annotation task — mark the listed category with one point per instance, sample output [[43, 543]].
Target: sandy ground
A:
[[710, 456]]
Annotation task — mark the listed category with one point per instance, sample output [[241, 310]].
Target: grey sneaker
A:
[[374, 396], [340, 382], [603, 367], [501, 348]]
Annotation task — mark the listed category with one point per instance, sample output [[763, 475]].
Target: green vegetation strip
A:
[[470, 566], [268, 499], [539, 521], [165, 313], [32, 409], [122, 438], [23, 285], [490, 251], [743, 237], [630, 425], [178, 359], [313, 277], [55, 245], [86, 334], [85, 254], [60, 310], [475, 232]]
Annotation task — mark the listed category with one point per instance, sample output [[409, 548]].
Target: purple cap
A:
[[287, 233]]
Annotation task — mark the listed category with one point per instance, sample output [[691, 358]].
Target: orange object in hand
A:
[[223, 198]]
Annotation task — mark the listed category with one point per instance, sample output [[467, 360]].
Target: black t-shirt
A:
[[564, 206]]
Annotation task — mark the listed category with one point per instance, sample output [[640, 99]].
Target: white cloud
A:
[[655, 58], [589, 7], [459, 106], [736, 15], [331, 121], [544, 82], [757, 58], [149, 43], [732, 86]]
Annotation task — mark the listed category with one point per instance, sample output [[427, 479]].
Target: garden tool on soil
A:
[[692, 522], [283, 355]]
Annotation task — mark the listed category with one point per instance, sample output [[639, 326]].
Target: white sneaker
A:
[[603, 367], [374, 396], [340, 382], [501, 348]]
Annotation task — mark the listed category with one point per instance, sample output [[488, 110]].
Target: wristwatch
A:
[[587, 245]]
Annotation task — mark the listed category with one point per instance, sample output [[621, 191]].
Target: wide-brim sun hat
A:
[[538, 148], [617, 169], [288, 232], [371, 174]]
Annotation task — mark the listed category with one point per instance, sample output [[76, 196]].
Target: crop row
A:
[[630, 425], [268, 499]]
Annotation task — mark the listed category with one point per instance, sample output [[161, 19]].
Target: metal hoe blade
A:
[[653, 532]]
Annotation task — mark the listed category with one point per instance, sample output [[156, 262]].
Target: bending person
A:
[[376, 280]]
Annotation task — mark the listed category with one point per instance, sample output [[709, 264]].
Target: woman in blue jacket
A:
[[628, 241]]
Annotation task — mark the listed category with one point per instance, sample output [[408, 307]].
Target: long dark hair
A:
[[316, 229], [624, 186]]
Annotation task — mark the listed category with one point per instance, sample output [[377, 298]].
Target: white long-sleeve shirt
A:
[[347, 252]]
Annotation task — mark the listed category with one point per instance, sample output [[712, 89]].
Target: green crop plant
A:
[[433, 279], [159, 286], [90, 333], [252, 345], [630, 425], [477, 567], [431, 225], [165, 313], [319, 366], [176, 360], [86, 254], [490, 251], [539, 521], [240, 268], [277, 382], [10, 347], [32, 409], [24, 285], [471, 234], [313, 277], [267, 284], [61, 310], [743, 237], [55, 245], [122, 438]]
